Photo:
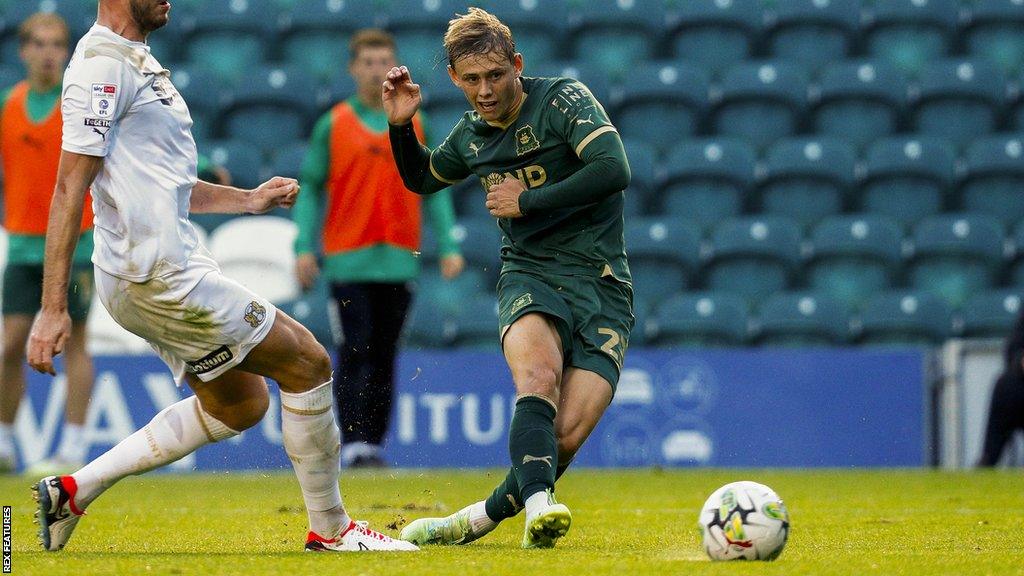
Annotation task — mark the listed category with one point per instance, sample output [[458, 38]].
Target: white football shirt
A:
[[118, 103]]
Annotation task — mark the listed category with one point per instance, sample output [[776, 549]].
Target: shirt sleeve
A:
[[97, 94], [578, 117], [446, 163]]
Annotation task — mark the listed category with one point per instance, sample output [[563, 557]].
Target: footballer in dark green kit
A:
[[554, 170]]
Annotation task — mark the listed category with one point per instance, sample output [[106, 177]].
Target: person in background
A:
[[30, 140], [368, 228], [1006, 411]]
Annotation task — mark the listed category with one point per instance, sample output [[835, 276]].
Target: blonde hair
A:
[[369, 38], [41, 20], [477, 32]]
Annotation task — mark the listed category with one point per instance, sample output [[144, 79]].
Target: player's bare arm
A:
[[401, 96], [278, 191], [52, 325]]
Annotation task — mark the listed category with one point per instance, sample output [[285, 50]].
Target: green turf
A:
[[624, 522]]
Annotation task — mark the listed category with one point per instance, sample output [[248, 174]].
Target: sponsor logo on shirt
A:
[[212, 360], [533, 176], [104, 99], [97, 122]]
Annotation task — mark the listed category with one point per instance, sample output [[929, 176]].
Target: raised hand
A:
[[401, 96], [278, 191]]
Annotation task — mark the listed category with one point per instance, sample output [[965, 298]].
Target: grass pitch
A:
[[624, 522]]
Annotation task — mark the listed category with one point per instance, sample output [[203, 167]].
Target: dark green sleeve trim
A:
[[605, 172], [312, 177]]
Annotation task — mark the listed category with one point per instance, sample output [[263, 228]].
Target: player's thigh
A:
[[289, 355], [237, 398], [15, 334], [533, 351], [585, 396]]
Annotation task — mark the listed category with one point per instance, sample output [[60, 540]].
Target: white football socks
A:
[[479, 521], [536, 502], [175, 432], [72, 444], [312, 441]]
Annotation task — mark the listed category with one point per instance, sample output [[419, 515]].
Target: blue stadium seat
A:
[[586, 72], [480, 242], [341, 88], [288, 159], [643, 166], [199, 87], [241, 159], [418, 27], [909, 33], [1016, 271], [470, 199], [429, 326], [907, 177], [854, 256], [701, 319], [955, 255], [314, 310], [448, 296], [79, 15], [664, 254], [993, 178], [271, 105], [813, 32], [753, 256], [537, 26], [761, 101], [315, 35], [995, 32], [661, 102], [806, 179], [905, 318], [229, 36], [706, 180], [959, 99], [713, 33], [859, 101], [803, 319], [991, 313], [615, 35], [476, 324], [641, 315]]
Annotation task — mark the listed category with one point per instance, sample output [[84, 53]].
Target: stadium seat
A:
[[959, 99], [700, 319], [993, 178], [813, 32], [995, 32], [537, 25], [418, 27], [803, 319], [713, 33], [761, 101], [806, 179], [230, 36], [615, 35], [469, 199], [428, 326], [991, 313], [859, 101], [315, 35], [318, 312], [661, 102], [664, 254], [271, 105], [79, 15], [288, 160], [643, 166], [706, 180], [905, 318], [753, 256], [909, 33], [198, 86], [854, 256], [244, 162], [480, 242], [256, 252], [1016, 271], [906, 177], [448, 296], [586, 72], [476, 324], [955, 255]]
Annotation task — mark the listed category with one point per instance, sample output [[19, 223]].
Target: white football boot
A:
[[357, 537], [547, 525], [452, 529], [57, 514]]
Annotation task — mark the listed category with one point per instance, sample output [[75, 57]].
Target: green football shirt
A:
[[558, 123]]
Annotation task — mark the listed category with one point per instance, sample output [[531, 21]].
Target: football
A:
[[744, 521]]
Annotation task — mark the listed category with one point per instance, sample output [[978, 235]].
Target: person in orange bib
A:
[[369, 233], [30, 142]]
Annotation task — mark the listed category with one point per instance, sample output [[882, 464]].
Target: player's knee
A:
[[247, 413], [541, 379], [315, 360]]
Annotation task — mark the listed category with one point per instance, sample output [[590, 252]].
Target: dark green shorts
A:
[[593, 316], [23, 290]]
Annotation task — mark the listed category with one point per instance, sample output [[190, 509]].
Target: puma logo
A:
[[102, 134], [544, 459], [475, 148], [587, 120]]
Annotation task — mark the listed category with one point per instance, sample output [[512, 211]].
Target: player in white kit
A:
[[127, 133]]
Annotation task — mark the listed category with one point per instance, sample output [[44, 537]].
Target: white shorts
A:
[[197, 320]]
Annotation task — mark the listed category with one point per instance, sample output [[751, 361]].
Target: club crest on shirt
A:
[[104, 99], [255, 314], [526, 141]]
